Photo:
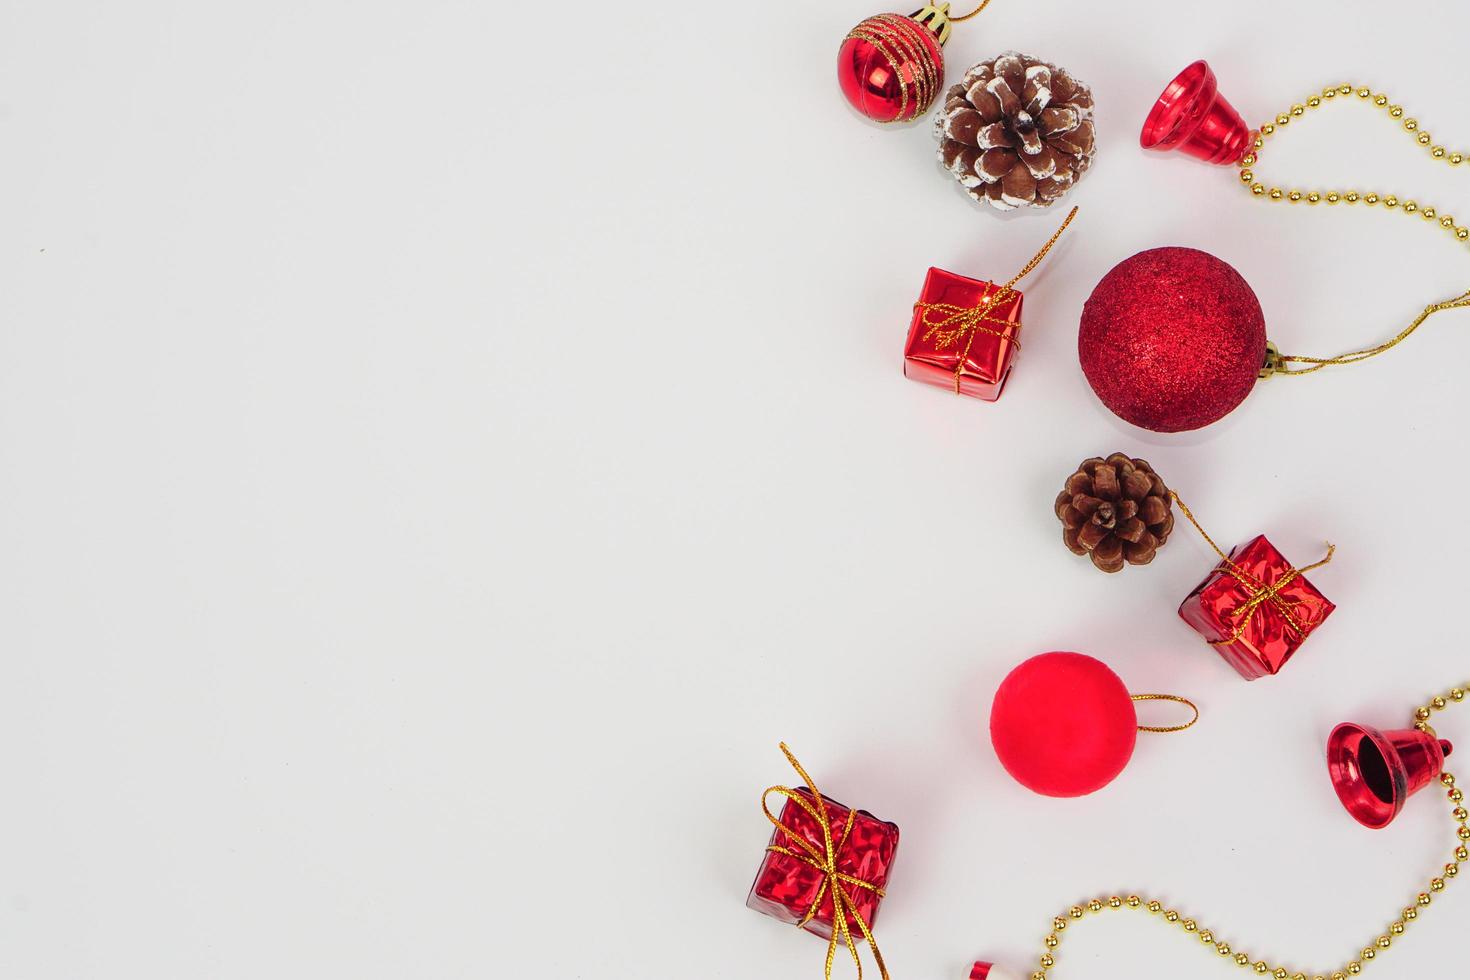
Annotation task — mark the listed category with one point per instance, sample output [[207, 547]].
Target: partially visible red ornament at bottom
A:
[[891, 67]]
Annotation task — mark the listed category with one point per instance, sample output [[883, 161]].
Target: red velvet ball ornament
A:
[[891, 67], [1063, 724], [1172, 339]]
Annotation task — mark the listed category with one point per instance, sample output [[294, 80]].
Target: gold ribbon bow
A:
[[1261, 593], [964, 323], [824, 859]]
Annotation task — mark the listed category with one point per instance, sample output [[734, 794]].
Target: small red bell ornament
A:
[[1174, 339], [891, 67], [1064, 725], [1375, 772]]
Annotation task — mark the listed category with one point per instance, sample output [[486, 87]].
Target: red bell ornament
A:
[[1064, 725], [1375, 773], [1193, 117], [891, 66]]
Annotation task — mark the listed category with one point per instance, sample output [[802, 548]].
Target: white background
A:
[[445, 446]]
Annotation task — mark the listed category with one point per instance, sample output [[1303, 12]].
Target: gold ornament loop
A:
[[1168, 729], [972, 13], [824, 859]]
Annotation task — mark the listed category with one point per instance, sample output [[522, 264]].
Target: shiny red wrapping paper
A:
[[786, 887], [947, 350], [1218, 608]]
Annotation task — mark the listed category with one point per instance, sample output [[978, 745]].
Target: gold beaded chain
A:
[[1276, 363], [1360, 960]]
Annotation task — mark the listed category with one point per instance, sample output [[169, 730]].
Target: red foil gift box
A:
[[792, 885], [963, 335], [1256, 609]]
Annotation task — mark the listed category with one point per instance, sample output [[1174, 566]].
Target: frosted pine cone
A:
[[1016, 131]]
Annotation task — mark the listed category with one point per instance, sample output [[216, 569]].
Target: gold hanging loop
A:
[[1168, 729]]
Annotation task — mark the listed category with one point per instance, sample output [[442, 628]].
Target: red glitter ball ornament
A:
[[1172, 339], [1063, 724]]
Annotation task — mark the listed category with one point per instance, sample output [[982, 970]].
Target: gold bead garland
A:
[[1360, 960]]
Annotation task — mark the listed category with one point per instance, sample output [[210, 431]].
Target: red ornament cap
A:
[[1172, 339], [1063, 724]]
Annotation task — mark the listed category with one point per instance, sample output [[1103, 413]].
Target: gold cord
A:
[[956, 20], [1261, 593], [1359, 960], [1277, 363], [1168, 729]]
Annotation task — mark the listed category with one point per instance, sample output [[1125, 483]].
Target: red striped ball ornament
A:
[[891, 67]]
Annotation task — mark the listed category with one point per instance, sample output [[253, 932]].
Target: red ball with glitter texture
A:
[[1172, 339]]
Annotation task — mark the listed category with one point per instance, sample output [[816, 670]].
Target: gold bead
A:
[[1452, 871], [1223, 949], [1396, 111], [1455, 160], [1258, 189], [1446, 222], [1390, 201], [1421, 713], [1276, 193], [1384, 942], [1352, 197], [1425, 139], [1380, 100], [1283, 119], [1052, 941], [1339, 975], [1249, 160], [1154, 908], [1354, 968], [1397, 928], [1422, 726], [1368, 953], [1279, 973], [1462, 853], [1425, 898], [1314, 198], [1329, 93], [1333, 197], [1438, 152], [1094, 906], [1460, 813], [1456, 796], [1411, 124], [1458, 694], [1364, 92], [1171, 916], [1314, 102], [1439, 704], [1298, 110], [1371, 199], [1242, 960], [1261, 967], [1038, 975], [1436, 884], [1294, 196], [1258, 142], [1048, 961], [1246, 176], [1189, 925], [1410, 914], [1428, 214], [1207, 937], [1410, 207], [1075, 911], [1462, 831], [1344, 90], [1268, 129], [1115, 902]]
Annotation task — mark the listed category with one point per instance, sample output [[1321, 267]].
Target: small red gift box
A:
[[1256, 609], [963, 335], [792, 885]]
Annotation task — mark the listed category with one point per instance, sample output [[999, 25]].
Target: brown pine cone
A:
[[1016, 131], [1116, 510]]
